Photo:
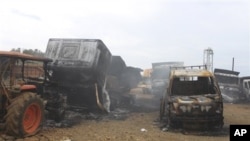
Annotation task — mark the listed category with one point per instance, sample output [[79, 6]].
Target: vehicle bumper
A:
[[200, 122]]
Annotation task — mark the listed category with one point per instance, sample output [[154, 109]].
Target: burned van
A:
[[78, 73], [192, 100]]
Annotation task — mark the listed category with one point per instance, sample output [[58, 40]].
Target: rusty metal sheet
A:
[[194, 72], [12, 54]]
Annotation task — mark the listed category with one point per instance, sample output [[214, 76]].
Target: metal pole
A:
[[233, 64]]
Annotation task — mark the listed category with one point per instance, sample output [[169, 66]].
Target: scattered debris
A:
[[144, 130], [164, 129], [65, 139]]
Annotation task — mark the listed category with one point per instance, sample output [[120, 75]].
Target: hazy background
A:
[[141, 31]]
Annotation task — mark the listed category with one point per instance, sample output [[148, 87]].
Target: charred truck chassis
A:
[[192, 100]]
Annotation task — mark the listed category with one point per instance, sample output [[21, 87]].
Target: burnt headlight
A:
[[205, 108], [185, 108]]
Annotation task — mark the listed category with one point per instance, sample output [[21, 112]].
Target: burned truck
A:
[[245, 86], [120, 80], [192, 100], [78, 75], [229, 82], [160, 75]]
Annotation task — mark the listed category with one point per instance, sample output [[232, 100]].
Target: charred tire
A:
[[24, 115]]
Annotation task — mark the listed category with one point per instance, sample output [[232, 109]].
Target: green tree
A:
[[34, 52], [16, 50]]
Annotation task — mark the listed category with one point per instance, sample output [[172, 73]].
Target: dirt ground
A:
[[137, 125]]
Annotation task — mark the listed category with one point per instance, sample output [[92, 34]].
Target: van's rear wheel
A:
[[24, 115]]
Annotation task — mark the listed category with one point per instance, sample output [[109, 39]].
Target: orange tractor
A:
[[21, 107], [73, 79]]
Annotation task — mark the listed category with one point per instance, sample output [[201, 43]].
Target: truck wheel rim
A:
[[32, 118]]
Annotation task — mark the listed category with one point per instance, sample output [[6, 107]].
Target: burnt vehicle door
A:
[[78, 73]]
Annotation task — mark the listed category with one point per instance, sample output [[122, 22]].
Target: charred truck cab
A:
[[78, 74], [192, 100]]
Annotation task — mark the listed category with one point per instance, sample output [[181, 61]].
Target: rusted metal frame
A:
[[5, 91], [215, 83], [185, 67], [5, 69], [11, 73], [100, 105], [46, 74], [23, 61], [10, 54]]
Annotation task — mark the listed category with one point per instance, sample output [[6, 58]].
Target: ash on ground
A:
[[72, 118]]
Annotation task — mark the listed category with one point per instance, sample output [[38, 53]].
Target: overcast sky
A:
[[140, 31]]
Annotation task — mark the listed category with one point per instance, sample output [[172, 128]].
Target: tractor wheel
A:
[[24, 115]]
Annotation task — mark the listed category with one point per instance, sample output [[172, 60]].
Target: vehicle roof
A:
[[12, 54], [223, 71], [191, 72], [74, 40], [57, 44]]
